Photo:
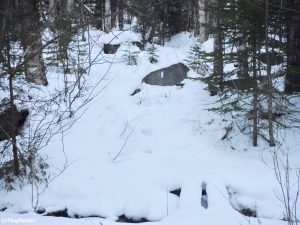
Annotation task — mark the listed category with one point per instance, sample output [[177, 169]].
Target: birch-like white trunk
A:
[[70, 4], [202, 21], [52, 12], [107, 14], [34, 63], [32, 44]]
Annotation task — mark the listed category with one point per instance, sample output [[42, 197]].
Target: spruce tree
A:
[[240, 33]]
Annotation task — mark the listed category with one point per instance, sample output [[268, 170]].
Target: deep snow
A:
[[164, 139]]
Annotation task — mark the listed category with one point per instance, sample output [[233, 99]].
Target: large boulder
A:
[[110, 48], [169, 76]]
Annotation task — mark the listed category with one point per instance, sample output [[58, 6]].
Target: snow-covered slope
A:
[[127, 154]]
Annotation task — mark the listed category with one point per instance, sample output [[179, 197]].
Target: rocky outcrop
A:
[[169, 76], [136, 91], [110, 48]]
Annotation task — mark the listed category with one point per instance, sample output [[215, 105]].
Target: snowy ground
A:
[[129, 152]]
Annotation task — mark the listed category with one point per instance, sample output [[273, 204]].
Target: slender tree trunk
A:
[[13, 111], [293, 45], [196, 18], [202, 21], [269, 79], [121, 14], [52, 11], [70, 4], [189, 24], [294, 35], [164, 22], [218, 52], [13, 133], [98, 15], [255, 95], [242, 56], [107, 15], [114, 12]]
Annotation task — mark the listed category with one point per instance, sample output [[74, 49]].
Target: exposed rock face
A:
[[125, 219], [136, 91], [176, 192], [110, 48], [169, 76], [204, 197]]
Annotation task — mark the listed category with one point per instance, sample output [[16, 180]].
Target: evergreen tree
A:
[[153, 53], [241, 30], [130, 55]]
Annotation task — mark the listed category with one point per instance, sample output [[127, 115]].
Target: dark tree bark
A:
[[13, 109], [293, 46], [98, 14], [255, 93], [269, 80], [218, 63], [114, 12], [242, 56], [121, 14]]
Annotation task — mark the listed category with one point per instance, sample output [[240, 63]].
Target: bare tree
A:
[[288, 179], [51, 113]]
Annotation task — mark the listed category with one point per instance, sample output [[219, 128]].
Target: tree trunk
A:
[[269, 79], [196, 18], [164, 21], [255, 95], [98, 15], [31, 41], [52, 11], [190, 16], [293, 45], [294, 35], [114, 12], [202, 21], [242, 56], [107, 16], [70, 4], [218, 52], [121, 14], [13, 110]]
